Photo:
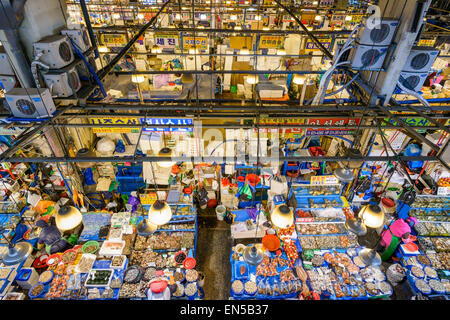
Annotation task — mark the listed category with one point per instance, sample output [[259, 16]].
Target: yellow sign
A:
[[310, 45], [115, 121], [148, 198], [268, 42], [200, 42], [113, 40], [324, 180], [426, 42]]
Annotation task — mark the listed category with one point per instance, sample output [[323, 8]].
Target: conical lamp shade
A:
[[187, 78], [372, 216], [85, 153], [282, 216], [159, 213], [165, 152], [68, 218], [145, 228], [356, 226], [17, 253], [253, 255], [370, 257], [352, 153], [344, 174]]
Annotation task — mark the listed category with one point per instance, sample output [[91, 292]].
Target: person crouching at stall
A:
[[398, 231]]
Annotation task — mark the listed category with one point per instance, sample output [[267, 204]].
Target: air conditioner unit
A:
[[30, 103], [420, 59], [62, 83], [7, 82], [413, 80], [79, 37], [5, 65], [83, 70], [380, 35], [57, 51], [365, 57]]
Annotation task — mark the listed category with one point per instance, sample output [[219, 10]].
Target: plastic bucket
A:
[[220, 211]]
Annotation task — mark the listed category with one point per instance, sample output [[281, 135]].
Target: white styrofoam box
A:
[[381, 35], [41, 18], [31, 281], [420, 59], [7, 82], [5, 65]]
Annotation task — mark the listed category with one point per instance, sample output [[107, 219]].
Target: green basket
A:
[[90, 243]]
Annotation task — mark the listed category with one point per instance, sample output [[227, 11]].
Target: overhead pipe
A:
[[87, 20]]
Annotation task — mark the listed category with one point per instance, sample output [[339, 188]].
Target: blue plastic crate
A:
[[129, 178]]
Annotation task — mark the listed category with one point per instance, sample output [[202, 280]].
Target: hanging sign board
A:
[[4, 131], [114, 121], [426, 42], [413, 121], [311, 46], [154, 122], [324, 180], [200, 43], [113, 40], [295, 132], [332, 122], [337, 19], [270, 42], [166, 40]]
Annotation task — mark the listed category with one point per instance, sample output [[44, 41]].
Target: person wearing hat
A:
[[399, 230], [158, 288]]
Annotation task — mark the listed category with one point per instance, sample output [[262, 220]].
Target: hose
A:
[[34, 69], [343, 87], [413, 93]]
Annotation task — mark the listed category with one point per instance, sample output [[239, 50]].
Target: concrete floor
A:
[[213, 251]]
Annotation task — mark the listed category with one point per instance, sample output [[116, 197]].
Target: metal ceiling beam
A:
[[220, 72], [209, 159]]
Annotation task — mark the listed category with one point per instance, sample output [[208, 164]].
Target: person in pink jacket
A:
[[399, 230]]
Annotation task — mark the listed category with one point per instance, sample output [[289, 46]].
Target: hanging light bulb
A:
[[266, 28], [159, 213], [102, 49], [116, 15], [282, 216], [257, 17], [372, 216], [200, 27], [137, 78], [315, 3], [348, 18], [156, 49], [244, 51], [193, 50], [233, 17], [68, 218], [318, 18], [281, 51], [140, 16], [252, 79], [165, 152], [298, 79], [238, 28], [309, 28], [178, 16]]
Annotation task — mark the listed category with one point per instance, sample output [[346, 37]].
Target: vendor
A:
[[399, 230], [50, 236], [158, 288]]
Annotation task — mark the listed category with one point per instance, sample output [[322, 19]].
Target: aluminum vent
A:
[[379, 34], [26, 107]]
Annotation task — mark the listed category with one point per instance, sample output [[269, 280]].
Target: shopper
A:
[[399, 230]]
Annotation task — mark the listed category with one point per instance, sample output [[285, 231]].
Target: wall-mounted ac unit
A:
[[365, 57], [413, 80], [420, 59], [79, 37], [62, 83], [57, 51], [380, 35], [30, 103], [7, 82], [83, 70]]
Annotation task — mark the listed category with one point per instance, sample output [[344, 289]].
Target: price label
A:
[[324, 180], [299, 220], [253, 277], [443, 191], [178, 270]]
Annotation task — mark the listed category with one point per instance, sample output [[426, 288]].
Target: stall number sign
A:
[[310, 45], [332, 122], [337, 18], [270, 42], [324, 180], [200, 43], [154, 122], [114, 121], [166, 40], [148, 198], [113, 40]]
